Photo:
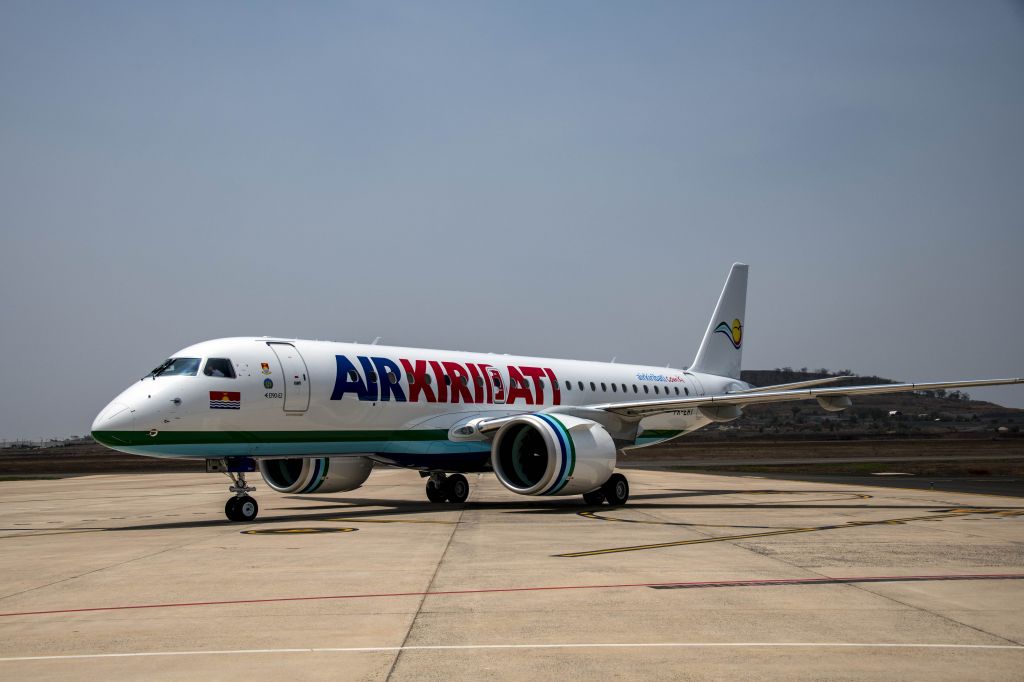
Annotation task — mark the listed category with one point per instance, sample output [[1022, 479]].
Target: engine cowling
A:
[[302, 476], [552, 454]]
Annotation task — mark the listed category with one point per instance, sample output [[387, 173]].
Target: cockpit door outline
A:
[[294, 376]]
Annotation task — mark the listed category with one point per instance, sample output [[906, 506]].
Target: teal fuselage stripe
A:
[[215, 444]]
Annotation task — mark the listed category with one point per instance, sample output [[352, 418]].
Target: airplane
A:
[[314, 416]]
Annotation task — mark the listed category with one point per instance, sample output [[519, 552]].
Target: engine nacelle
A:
[[834, 403], [301, 476], [552, 454], [721, 413]]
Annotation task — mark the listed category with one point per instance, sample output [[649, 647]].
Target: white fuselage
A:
[[295, 398]]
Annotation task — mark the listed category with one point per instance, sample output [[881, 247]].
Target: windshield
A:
[[176, 367]]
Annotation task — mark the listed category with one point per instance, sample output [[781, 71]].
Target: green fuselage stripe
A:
[[142, 438]]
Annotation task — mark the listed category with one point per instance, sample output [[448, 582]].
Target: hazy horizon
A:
[[567, 179]]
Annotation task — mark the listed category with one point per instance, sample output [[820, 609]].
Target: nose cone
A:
[[116, 416]]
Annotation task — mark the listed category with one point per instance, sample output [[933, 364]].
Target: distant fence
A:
[[44, 442]]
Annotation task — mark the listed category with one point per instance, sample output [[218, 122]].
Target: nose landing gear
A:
[[241, 507]]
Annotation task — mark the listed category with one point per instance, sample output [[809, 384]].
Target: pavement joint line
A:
[[824, 580], [954, 513], [864, 588], [103, 568], [423, 598], [471, 647]]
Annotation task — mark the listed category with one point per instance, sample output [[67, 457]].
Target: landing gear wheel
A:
[[241, 509], [246, 509], [457, 488], [435, 493], [616, 490], [594, 497]]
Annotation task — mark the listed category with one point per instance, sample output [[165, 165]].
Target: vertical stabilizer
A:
[[722, 347]]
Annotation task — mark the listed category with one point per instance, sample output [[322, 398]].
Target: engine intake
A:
[[552, 454], [302, 476]]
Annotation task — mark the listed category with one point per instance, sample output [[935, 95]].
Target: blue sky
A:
[[569, 179]]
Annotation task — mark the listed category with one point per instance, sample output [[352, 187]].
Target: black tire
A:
[[457, 488], [594, 497], [435, 493], [246, 509], [616, 490], [231, 509]]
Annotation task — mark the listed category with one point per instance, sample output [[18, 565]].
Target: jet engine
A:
[[552, 454], [301, 476]]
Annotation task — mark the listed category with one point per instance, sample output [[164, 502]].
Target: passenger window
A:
[[656, 390], [392, 379], [464, 381], [677, 390], [479, 381], [540, 384], [635, 390], [623, 388], [568, 385], [219, 367], [497, 382], [581, 384], [614, 388], [447, 380], [427, 379], [686, 390], [372, 376], [646, 390], [593, 387], [412, 379], [603, 387], [353, 375]]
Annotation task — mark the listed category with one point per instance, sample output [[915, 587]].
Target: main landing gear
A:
[[442, 488], [615, 492], [241, 507]]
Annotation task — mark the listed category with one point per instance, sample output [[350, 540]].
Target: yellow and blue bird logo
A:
[[733, 333]]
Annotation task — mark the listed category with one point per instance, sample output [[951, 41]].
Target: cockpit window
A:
[[219, 367], [177, 367]]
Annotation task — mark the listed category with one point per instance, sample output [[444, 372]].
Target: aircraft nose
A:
[[116, 416]]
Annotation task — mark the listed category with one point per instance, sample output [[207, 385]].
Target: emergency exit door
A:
[[294, 375]]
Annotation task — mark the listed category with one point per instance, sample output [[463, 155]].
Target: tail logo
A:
[[734, 333]]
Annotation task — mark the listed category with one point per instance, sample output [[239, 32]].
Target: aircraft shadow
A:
[[355, 509]]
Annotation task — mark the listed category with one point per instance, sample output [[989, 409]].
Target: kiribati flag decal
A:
[[225, 400]]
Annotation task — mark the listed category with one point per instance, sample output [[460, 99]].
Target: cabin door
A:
[[497, 385], [294, 375]]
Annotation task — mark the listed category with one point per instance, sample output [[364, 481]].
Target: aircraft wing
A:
[[621, 418], [795, 384], [646, 408]]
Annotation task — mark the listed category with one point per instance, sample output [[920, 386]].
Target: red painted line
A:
[[498, 590]]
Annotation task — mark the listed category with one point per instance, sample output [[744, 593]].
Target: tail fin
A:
[[722, 347]]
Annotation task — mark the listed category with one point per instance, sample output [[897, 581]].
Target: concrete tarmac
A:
[[699, 577]]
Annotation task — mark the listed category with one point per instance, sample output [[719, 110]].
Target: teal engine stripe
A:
[[568, 449], [320, 465]]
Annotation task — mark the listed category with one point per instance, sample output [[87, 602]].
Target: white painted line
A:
[[455, 647]]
